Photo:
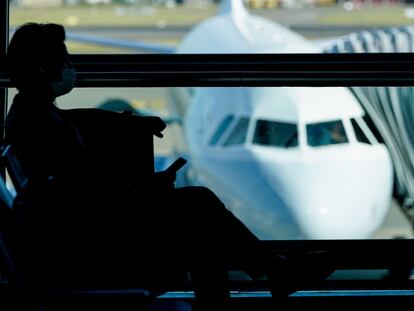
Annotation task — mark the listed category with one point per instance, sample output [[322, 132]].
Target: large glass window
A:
[[145, 26], [354, 182], [276, 134]]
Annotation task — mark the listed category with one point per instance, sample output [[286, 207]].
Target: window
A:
[[269, 162], [221, 129], [156, 25], [326, 133], [87, 19], [238, 134], [128, 26], [359, 133], [277, 134]]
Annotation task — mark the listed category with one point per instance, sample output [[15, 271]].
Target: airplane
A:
[[289, 162]]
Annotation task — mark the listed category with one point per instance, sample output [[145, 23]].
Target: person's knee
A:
[[206, 196], [203, 192], [200, 201]]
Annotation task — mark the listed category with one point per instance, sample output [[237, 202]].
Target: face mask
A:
[[66, 85]]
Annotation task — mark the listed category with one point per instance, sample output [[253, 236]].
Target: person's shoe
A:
[[292, 273]]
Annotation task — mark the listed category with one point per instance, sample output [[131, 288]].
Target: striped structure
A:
[[390, 108]]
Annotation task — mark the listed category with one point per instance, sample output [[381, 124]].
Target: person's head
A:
[[38, 59]]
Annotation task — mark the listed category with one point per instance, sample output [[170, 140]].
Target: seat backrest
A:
[[6, 257], [6, 196], [9, 162]]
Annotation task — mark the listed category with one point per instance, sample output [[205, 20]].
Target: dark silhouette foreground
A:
[[89, 225]]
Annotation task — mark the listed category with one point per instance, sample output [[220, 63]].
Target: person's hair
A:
[[35, 50]]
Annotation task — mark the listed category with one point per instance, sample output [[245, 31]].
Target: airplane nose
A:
[[339, 220], [345, 199], [341, 193]]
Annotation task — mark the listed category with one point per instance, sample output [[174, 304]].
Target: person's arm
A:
[[153, 124]]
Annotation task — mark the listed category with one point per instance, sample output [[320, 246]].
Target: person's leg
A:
[[210, 285], [210, 228], [216, 234], [191, 227], [211, 239]]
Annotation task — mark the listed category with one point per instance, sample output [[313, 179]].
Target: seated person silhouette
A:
[[83, 225]]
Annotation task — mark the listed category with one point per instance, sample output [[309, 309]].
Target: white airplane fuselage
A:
[[299, 190]]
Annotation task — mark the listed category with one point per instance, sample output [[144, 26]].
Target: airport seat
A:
[[9, 161], [9, 271], [24, 293]]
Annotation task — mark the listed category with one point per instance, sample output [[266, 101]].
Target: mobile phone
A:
[[176, 165]]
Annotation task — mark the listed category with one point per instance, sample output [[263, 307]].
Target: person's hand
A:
[[164, 180], [157, 125], [154, 123]]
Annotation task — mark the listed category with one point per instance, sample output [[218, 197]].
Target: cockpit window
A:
[[277, 134], [221, 129], [238, 134], [326, 133], [360, 134]]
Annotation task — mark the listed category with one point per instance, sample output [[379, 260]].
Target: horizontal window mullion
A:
[[154, 70]]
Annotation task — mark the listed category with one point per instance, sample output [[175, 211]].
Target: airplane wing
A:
[[120, 43]]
